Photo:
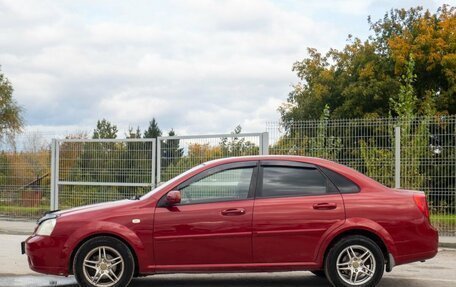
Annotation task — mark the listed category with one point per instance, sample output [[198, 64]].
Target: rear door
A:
[[295, 205]]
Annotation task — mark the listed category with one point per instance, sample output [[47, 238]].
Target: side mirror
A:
[[173, 197]]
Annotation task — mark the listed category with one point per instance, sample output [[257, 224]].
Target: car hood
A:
[[95, 207]]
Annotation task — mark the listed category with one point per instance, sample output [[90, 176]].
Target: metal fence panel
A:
[[93, 171], [423, 159], [24, 176]]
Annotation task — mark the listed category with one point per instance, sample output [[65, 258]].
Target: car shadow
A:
[[230, 280], [285, 279]]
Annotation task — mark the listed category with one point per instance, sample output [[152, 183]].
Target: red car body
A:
[[273, 234]]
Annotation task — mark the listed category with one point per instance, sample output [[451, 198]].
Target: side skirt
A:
[[244, 267]]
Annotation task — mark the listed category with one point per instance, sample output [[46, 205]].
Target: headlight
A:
[[46, 227]]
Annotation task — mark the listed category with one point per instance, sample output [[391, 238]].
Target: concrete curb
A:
[[14, 232], [36, 280], [447, 241], [447, 245]]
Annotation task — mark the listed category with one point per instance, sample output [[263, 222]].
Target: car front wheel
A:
[[103, 262], [355, 261]]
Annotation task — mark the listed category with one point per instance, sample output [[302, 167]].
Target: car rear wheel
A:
[[355, 261], [103, 262]]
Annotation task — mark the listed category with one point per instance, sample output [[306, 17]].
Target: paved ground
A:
[[438, 272], [14, 271], [435, 273], [8, 226]]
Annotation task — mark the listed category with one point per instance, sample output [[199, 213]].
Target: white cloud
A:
[[197, 66]]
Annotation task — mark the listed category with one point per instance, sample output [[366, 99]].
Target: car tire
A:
[[354, 261], [319, 273], [103, 262]]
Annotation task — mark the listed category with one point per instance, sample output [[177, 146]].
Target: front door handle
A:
[[233, 211], [325, 206]]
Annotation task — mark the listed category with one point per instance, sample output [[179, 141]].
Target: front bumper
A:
[[44, 254]]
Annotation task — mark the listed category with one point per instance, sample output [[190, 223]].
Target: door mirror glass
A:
[[173, 197]]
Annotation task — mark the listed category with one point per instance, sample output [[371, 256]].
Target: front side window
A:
[[281, 181], [226, 185]]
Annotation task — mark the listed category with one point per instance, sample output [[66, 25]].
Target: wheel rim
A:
[[103, 266], [356, 265]]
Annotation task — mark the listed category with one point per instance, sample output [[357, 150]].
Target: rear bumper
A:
[[425, 247], [44, 255], [416, 257]]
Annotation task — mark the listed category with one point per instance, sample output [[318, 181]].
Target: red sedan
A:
[[267, 213]]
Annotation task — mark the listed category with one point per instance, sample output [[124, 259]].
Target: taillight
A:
[[421, 203]]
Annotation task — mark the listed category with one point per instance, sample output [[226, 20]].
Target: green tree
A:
[[171, 155], [237, 146], [359, 80], [4, 170], [430, 38], [105, 130], [171, 151], [414, 137], [135, 164], [133, 134], [97, 162], [11, 121], [315, 139], [153, 131]]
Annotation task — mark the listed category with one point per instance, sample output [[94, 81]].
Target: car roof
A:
[[297, 158]]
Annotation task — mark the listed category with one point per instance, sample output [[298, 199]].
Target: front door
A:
[[295, 205], [213, 223]]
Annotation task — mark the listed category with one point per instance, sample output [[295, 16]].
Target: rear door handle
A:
[[325, 206], [233, 211]]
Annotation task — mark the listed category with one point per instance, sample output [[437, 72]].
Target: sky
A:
[[197, 67]]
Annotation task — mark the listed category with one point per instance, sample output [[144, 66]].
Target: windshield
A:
[[167, 183]]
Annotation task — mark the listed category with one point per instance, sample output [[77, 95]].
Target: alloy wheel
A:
[[103, 266], [356, 265]]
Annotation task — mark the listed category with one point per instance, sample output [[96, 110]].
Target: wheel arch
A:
[[359, 226], [84, 240], [362, 232]]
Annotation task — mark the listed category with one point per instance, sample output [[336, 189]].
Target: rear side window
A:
[[342, 183], [280, 181]]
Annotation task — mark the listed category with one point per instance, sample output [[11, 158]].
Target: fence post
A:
[[264, 143], [158, 160], [397, 157], [54, 198], [154, 162]]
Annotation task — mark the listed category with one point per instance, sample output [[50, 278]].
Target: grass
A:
[[445, 223], [448, 218], [22, 211]]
